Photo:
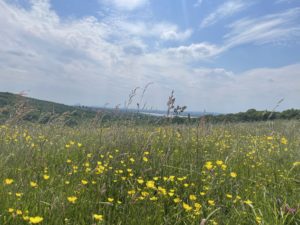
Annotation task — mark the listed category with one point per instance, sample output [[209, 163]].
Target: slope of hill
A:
[[18, 107]]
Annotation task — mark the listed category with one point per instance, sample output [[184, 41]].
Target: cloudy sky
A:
[[217, 55]]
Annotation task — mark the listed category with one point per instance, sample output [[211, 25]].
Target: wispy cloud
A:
[[277, 28], [127, 5], [273, 28], [227, 9]]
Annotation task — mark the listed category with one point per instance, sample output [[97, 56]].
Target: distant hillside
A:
[[17, 108]]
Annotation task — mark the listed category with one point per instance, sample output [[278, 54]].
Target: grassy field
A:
[[220, 174]]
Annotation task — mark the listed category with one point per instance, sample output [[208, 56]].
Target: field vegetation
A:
[[242, 173]]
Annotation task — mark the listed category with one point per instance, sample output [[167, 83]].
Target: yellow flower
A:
[[33, 184], [248, 202], [211, 202], [8, 181], [110, 199], [84, 182], [229, 196], [132, 160], [186, 207], [269, 138], [192, 197], [11, 210], [219, 162], [224, 167], [283, 141], [19, 194], [208, 165], [79, 145], [98, 217], [19, 212], [131, 192], [150, 184], [72, 199], [46, 177], [233, 174], [202, 193], [197, 206], [145, 193], [145, 159], [36, 219], [153, 198], [258, 219], [177, 200], [140, 181], [26, 218]]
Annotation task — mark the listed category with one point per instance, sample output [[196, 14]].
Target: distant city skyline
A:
[[219, 56]]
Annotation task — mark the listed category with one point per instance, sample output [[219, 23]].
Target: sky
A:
[[217, 55]]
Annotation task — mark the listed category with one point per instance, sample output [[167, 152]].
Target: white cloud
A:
[[162, 30], [127, 5], [278, 27], [227, 9], [78, 61], [199, 51]]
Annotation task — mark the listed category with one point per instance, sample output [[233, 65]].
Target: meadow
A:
[[242, 173]]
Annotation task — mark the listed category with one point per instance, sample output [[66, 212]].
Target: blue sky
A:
[[221, 56]]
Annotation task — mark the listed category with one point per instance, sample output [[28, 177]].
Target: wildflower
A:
[[26, 218], [72, 199], [177, 200], [208, 165], [224, 167], [79, 145], [219, 162], [202, 193], [211, 202], [192, 197], [145, 193], [33, 184], [186, 207], [283, 141], [150, 184], [258, 219], [84, 182], [46, 177], [10, 210], [153, 198], [229, 196], [19, 194], [197, 206], [145, 159], [110, 199], [8, 181], [140, 181], [98, 217], [19, 212], [131, 192], [248, 202], [36, 219], [233, 174], [132, 160]]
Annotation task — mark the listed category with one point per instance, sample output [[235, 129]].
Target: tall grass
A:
[[220, 174]]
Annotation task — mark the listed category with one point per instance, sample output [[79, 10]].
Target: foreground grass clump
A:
[[233, 174]]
